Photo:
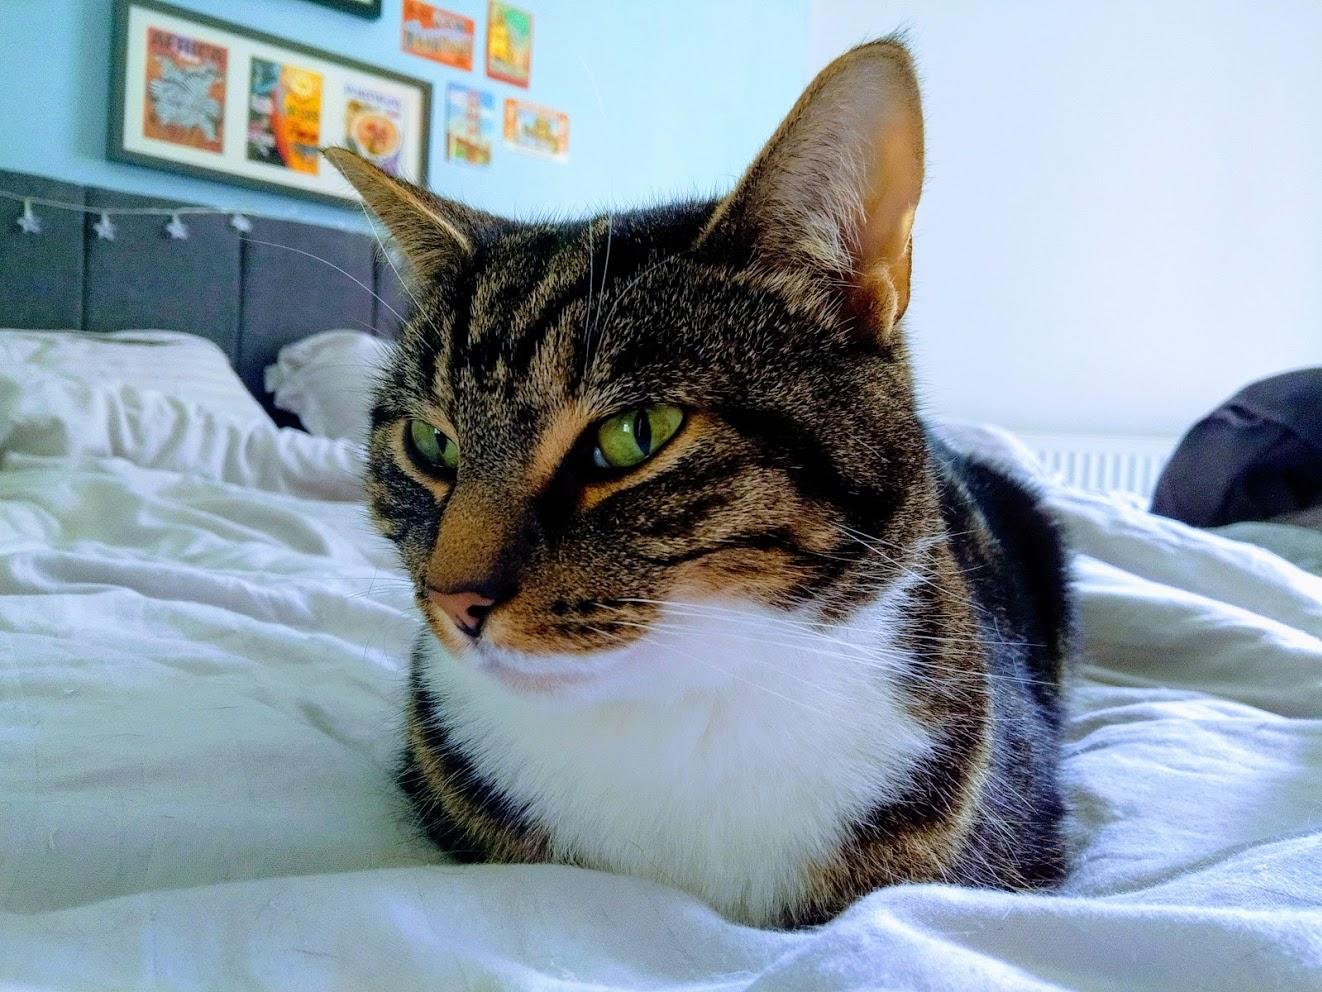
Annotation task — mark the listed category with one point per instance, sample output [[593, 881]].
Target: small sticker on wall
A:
[[437, 34], [470, 125], [535, 130], [509, 43], [185, 92]]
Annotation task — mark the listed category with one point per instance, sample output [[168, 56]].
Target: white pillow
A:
[[327, 381], [184, 366]]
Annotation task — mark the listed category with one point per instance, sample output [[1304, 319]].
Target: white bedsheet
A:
[[200, 689]]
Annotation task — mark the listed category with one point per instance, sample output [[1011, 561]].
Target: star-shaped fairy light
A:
[[28, 221], [104, 228], [241, 223], [177, 229]]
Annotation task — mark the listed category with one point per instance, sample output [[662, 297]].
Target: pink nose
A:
[[467, 609]]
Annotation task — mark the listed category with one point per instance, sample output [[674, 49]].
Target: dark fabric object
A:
[[41, 275], [1256, 456]]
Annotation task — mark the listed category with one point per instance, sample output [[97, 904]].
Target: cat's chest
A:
[[731, 788]]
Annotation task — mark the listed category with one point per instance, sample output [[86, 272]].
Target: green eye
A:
[[632, 437], [432, 446]]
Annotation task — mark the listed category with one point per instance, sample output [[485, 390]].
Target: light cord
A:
[[105, 230]]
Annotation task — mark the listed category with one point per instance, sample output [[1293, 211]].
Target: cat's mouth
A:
[[534, 674]]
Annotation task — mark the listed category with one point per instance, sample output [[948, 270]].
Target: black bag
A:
[[1256, 456]]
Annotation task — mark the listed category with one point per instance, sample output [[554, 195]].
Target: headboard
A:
[[251, 293]]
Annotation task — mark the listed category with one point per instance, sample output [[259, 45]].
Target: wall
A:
[[646, 85], [1122, 222]]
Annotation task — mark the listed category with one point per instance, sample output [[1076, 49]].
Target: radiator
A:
[[1101, 463]]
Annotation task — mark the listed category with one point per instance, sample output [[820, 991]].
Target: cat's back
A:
[[1013, 558], [1010, 547]]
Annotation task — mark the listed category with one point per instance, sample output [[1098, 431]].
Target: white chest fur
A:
[[724, 753]]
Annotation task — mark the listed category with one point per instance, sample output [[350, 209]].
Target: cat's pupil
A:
[[642, 431]]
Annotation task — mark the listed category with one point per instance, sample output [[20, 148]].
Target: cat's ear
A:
[[835, 188], [435, 236]]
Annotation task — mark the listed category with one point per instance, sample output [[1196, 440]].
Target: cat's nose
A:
[[468, 609]]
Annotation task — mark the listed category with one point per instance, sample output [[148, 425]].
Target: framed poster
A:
[[371, 9], [206, 98]]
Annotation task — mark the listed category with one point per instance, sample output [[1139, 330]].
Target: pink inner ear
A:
[[894, 182], [883, 250]]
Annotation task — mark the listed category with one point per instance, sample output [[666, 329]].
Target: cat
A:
[[705, 601]]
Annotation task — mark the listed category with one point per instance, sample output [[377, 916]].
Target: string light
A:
[[30, 223]]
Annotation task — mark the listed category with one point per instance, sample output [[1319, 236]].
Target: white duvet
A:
[[201, 667]]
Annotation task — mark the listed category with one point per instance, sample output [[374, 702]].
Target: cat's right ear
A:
[[835, 189], [435, 236]]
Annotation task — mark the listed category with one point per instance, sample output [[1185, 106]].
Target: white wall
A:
[[1122, 222]]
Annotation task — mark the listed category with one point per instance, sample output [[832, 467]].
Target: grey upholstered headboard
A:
[[250, 293]]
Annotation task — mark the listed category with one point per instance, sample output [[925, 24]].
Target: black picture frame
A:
[[369, 9], [166, 158]]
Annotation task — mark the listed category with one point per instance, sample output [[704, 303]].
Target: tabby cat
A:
[[705, 601]]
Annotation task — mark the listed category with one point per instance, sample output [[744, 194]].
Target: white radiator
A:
[[1101, 463]]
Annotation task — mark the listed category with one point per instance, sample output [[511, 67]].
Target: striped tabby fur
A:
[[803, 651]]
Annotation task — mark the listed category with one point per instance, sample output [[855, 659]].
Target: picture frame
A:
[[207, 98], [369, 9]]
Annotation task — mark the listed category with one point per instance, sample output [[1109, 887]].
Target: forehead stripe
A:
[[482, 339]]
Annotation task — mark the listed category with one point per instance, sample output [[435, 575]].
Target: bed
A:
[[201, 676]]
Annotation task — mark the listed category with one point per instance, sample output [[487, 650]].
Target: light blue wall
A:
[[669, 98]]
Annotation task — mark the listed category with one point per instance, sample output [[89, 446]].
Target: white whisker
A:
[[385, 253], [330, 264]]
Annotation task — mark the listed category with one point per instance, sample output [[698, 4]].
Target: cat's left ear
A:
[[436, 236], [835, 189]]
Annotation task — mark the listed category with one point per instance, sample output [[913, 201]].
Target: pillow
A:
[[186, 367], [327, 381]]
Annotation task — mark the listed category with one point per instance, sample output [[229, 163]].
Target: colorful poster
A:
[[509, 43], [185, 93], [284, 116], [437, 34], [536, 130], [374, 126], [470, 125]]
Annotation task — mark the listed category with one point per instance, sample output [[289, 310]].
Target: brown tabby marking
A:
[[509, 842]]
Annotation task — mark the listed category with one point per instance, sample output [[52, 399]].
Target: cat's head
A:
[[703, 403]]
